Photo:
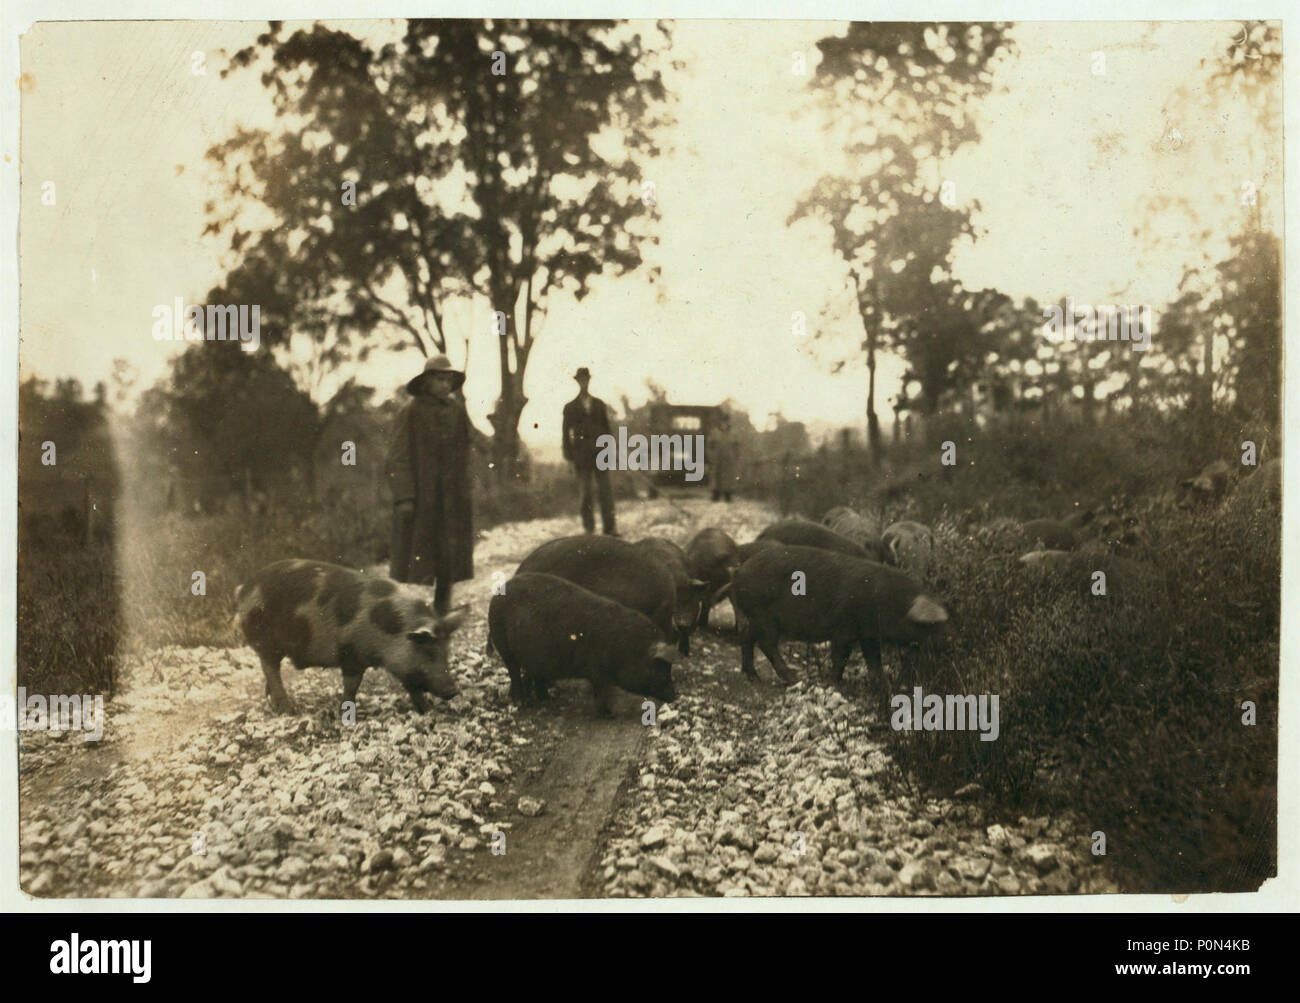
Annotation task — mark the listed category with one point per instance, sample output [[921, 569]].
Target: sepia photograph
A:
[[519, 460]]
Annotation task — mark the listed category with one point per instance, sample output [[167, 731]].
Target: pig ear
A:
[[452, 620], [925, 610], [664, 652]]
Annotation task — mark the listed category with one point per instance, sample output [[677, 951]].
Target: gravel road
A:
[[739, 788]]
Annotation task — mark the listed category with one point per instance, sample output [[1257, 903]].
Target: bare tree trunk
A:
[[873, 421], [1207, 370], [870, 324], [505, 421]]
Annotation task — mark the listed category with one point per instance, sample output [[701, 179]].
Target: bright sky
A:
[[116, 118]]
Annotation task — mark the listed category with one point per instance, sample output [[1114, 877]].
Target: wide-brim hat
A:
[[436, 364]]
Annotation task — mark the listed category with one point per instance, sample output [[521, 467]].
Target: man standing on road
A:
[[428, 471], [585, 420], [726, 458]]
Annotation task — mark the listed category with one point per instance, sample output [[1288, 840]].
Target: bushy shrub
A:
[[1125, 709]]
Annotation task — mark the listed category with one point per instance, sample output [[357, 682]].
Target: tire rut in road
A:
[[581, 773]]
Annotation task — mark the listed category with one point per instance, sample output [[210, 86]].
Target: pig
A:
[[910, 546], [325, 615], [1211, 482], [547, 628], [1098, 524], [801, 533], [711, 557], [743, 553], [612, 568], [747, 550], [1125, 578], [690, 592], [1049, 534], [832, 514], [1076, 521], [848, 601], [1262, 487], [862, 530], [999, 533], [1045, 558]]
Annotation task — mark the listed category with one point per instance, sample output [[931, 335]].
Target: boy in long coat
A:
[[428, 471]]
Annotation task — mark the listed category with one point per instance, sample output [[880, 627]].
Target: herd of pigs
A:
[[620, 614]]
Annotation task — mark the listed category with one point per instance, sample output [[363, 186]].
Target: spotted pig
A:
[[322, 614]]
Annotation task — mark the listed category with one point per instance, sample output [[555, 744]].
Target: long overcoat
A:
[[428, 463]]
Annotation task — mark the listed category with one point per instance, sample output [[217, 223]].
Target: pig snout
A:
[[440, 683], [427, 653], [925, 620], [661, 690], [657, 675]]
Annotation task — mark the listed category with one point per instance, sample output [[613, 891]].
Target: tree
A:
[[904, 92], [224, 418], [495, 157], [1240, 89]]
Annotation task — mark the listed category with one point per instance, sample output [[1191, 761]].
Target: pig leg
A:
[[540, 689], [518, 687], [280, 701], [871, 652], [418, 698], [683, 640], [352, 673], [840, 650], [746, 649], [602, 691], [772, 649]]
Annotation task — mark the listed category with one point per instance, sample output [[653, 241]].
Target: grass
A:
[[1126, 709]]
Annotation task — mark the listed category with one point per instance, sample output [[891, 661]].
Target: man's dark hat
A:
[[436, 364], [582, 374]]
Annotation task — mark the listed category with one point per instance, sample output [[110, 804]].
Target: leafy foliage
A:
[[496, 157]]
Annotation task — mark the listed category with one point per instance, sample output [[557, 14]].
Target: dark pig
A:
[[1049, 534], [747, 550], [847, 601], [689, 591], [612, 568], [322, 614], [801, 533], [711, 557], [547, 628], [860, 529], [1211, 482], [910, 546], [836, 513]]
